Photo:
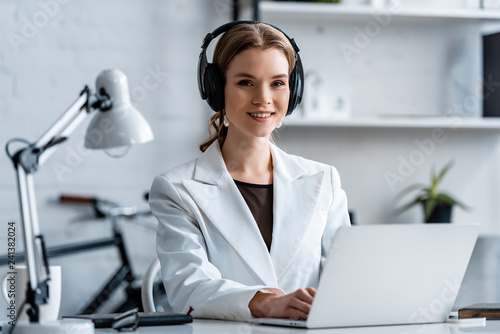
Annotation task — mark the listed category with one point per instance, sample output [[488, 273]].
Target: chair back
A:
[[148, 280]]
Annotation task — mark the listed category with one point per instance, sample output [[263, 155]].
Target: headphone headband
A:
[[225, 27], [211, 82]]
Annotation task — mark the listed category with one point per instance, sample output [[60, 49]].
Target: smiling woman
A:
[[245, 229], [253, 38], [256, 93]]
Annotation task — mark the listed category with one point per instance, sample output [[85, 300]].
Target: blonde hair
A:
[[237, 39]]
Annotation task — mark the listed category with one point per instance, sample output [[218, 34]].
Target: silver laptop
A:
[[390, 274]]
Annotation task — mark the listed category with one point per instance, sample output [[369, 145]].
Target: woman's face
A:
[[256, 92]]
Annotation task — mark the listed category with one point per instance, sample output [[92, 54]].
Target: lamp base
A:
[[69, 326]]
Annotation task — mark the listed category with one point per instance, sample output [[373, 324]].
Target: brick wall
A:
[[49, 50]]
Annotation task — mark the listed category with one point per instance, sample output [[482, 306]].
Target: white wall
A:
[[364, 157], [42, 76]]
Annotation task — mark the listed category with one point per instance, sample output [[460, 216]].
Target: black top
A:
[[260, 199]]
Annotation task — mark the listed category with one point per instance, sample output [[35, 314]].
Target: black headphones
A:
[[211, 81]]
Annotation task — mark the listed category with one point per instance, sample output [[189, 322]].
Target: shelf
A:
[[397, 122], [489, 231], [271, 10]]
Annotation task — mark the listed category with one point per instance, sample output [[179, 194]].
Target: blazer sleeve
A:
[[190, 279], [338, 215]]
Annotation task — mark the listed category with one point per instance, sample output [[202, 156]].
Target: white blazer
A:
[[212, 255]]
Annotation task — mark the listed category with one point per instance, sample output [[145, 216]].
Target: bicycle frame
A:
[[124, 272]]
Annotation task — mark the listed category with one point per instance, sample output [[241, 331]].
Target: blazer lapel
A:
[[296, 197], [220, 200]]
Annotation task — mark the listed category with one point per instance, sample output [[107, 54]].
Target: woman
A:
[[245, 229]]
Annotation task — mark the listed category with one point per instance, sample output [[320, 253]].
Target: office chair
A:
[[148, 285]]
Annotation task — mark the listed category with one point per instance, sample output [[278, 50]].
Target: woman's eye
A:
[[244, 83], [278, 83]]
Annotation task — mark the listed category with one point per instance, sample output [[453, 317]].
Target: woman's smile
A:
[[261, 116]]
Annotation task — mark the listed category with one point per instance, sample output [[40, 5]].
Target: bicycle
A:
[[124, 274]]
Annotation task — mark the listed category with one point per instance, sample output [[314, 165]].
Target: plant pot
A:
[[441, 214]]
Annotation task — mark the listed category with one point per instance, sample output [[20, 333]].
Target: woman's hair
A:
[[237, 39]]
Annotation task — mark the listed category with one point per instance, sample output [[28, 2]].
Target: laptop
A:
[[389, 275]]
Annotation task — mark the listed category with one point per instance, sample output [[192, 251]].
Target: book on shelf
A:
[[480, 310]]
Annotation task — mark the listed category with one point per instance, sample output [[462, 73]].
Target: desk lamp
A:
[[116, 124]]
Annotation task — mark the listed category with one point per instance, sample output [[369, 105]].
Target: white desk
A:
[[229, 327], [200, 326]]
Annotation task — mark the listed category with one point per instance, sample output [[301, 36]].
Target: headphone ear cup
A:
[[296, 88], [292, 102], [214, 87], [296, 84]]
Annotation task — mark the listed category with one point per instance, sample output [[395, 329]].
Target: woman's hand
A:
[[295, 305]]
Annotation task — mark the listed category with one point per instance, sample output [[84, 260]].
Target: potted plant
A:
[[437, 205]]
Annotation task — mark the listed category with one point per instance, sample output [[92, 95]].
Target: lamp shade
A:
[[122, 125]]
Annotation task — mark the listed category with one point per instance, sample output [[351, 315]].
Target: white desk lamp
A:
[[116, 124]]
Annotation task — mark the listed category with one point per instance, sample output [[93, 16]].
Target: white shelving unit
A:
[[350, 13], [420, 70], [298, 12], [397, 122]]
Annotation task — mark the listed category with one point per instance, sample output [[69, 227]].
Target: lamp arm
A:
[[26, 162], [87, 103], [64, 122]]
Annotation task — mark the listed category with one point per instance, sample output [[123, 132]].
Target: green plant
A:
[[429, 195]]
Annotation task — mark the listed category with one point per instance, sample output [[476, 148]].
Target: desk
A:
[[229, 327]]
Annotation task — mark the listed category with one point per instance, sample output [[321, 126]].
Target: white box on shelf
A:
[[326, 105], [324, 98]]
